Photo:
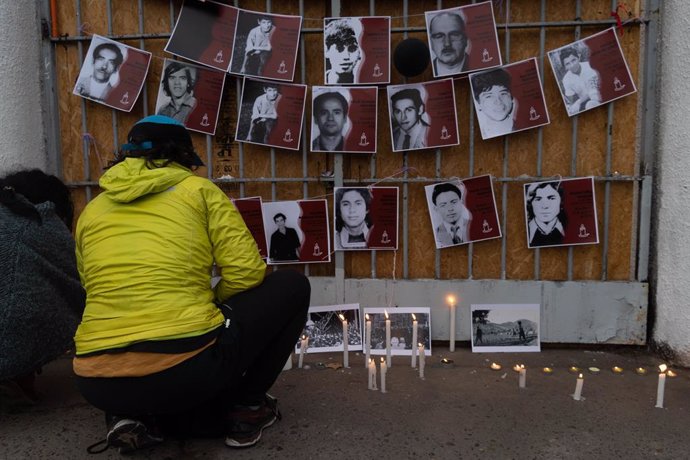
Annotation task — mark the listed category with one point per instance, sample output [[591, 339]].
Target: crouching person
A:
[[156, 342]]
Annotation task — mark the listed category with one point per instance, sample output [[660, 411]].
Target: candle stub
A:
[[574, 369], [670, 373], [547, 370], [641, 371], [594, 370], [617, 370], [496, 366]]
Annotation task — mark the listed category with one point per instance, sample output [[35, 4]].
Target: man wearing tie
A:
[[408, 111], [449, 204]]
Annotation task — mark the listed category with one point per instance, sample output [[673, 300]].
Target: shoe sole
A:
[[230, 442], [128, 438]]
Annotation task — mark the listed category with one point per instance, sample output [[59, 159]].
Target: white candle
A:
[[522, 381], [304, 343], [451, 302], [421, 360], [388, 340], [346, 354], [660, 386], [372, 374], [367, 344], [384, 370], [415, 325], [578, 387]]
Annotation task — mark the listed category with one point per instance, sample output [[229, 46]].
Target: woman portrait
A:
[[352, 219], [546, 217]]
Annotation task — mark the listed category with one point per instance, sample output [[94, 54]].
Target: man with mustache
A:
[[107, 58], [178, 84], [449, 44]]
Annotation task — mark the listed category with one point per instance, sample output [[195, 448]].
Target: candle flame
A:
[[304, 336], [579, 376], [450, 298], [420, 344], [366, 316], [522, 366], [663, 367], [414, 318], [382, 361], [342, 318], [385, 312]]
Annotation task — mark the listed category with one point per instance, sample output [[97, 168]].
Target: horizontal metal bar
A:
[[429, 180], [317, 30]]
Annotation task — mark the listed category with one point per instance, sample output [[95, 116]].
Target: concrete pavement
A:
[[459, 411]]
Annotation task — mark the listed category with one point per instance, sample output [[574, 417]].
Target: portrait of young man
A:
[[329, 111]]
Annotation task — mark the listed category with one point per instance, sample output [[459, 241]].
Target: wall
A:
[[671, 199], [21, 108]]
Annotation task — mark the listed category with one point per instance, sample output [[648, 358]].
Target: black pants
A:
[[245, 361]]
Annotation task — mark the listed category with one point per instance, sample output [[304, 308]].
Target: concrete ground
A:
[[461, 411]]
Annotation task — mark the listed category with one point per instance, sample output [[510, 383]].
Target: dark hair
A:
[[532, 192], [37, 187], [408, 93], [170, 151], [264, 17], [112, 47], [450, 14], [171, 69], [445, 187], [280, 214], [323, 97], [568, 51], [269, 84], [364, 193], [484, 81], [341, 34]]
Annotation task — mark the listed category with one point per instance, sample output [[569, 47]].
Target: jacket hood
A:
[[132, 179]]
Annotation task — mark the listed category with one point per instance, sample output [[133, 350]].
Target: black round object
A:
[[411, 57]]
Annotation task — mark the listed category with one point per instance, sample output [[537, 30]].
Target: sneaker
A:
[[246, 425], [127, 435]]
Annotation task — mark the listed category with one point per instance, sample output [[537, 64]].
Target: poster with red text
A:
[[422, 115], [344, 119], [297, 231], [591, 72], [250, 210], [561, 213], [191, 95], [509, 99], [357, 50], [271, 113], [462, 39], [366, 218], [266, 45], [204, 33], [112, 73]]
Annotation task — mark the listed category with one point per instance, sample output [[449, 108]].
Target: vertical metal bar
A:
[[607, 194], [113, 112], [338, 182], [305, 142], [540, 133], [84, 125], [405, 204], [172, 14], [647, 106], [239, 86], [506, 159], [142, 45], [51, 118], [372, 160], [437, 253]]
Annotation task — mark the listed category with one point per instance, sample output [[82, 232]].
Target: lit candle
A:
[[522, 381], [640, 371], [384, 370], [495, 366], [670, 373], [617, 370], [578, 388], [367, 345], [574, 369], [516, 368], [593, 370], [304, 343], [660, 386], [421, 360], [346, 354], [547, 370], [414, 340], [451, 302], [372, 374], [388, 339]]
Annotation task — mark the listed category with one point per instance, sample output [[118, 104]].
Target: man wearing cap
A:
[[157, 347]]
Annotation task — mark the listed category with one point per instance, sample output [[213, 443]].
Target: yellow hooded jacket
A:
[[145, 248]]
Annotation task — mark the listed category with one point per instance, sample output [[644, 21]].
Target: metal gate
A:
[[588, 294]]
